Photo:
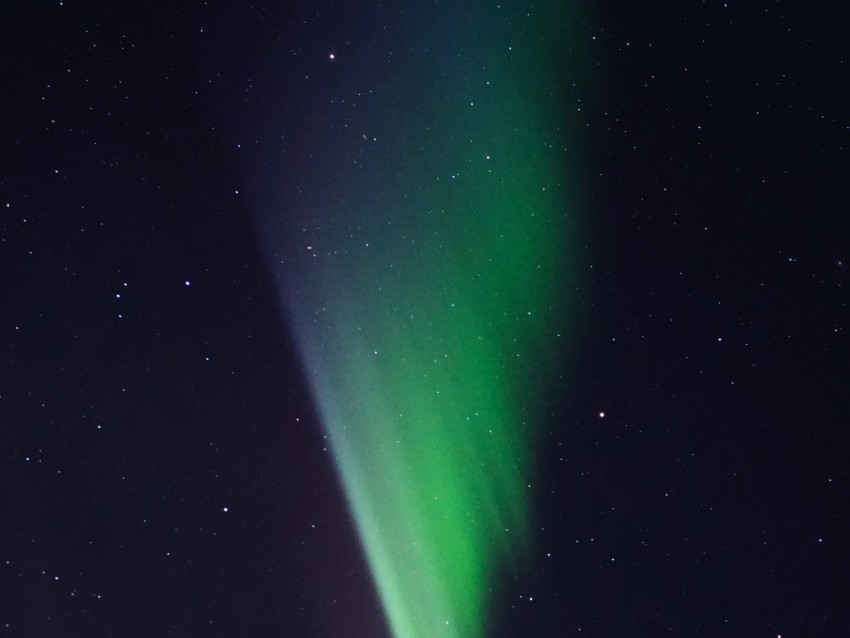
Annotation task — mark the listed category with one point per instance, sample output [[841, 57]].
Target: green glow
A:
[[432, 316]]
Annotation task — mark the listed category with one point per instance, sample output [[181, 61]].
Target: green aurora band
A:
[[432, 305]]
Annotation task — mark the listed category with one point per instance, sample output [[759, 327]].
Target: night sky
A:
[[424, 319]]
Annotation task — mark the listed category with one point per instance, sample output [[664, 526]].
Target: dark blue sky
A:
[[162, 467]]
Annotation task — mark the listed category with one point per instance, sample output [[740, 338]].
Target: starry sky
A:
[[400, 320]]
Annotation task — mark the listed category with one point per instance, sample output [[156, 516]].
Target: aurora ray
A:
[[429, 298]]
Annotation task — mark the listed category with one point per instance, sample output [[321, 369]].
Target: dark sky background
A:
[[162, 467]]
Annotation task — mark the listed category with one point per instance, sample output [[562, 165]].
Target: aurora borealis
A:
[[430, 297], [437, 319]]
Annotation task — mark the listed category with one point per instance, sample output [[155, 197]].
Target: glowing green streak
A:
[[433, 315]]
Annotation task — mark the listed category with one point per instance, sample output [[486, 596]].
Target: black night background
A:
[[164, 470]]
